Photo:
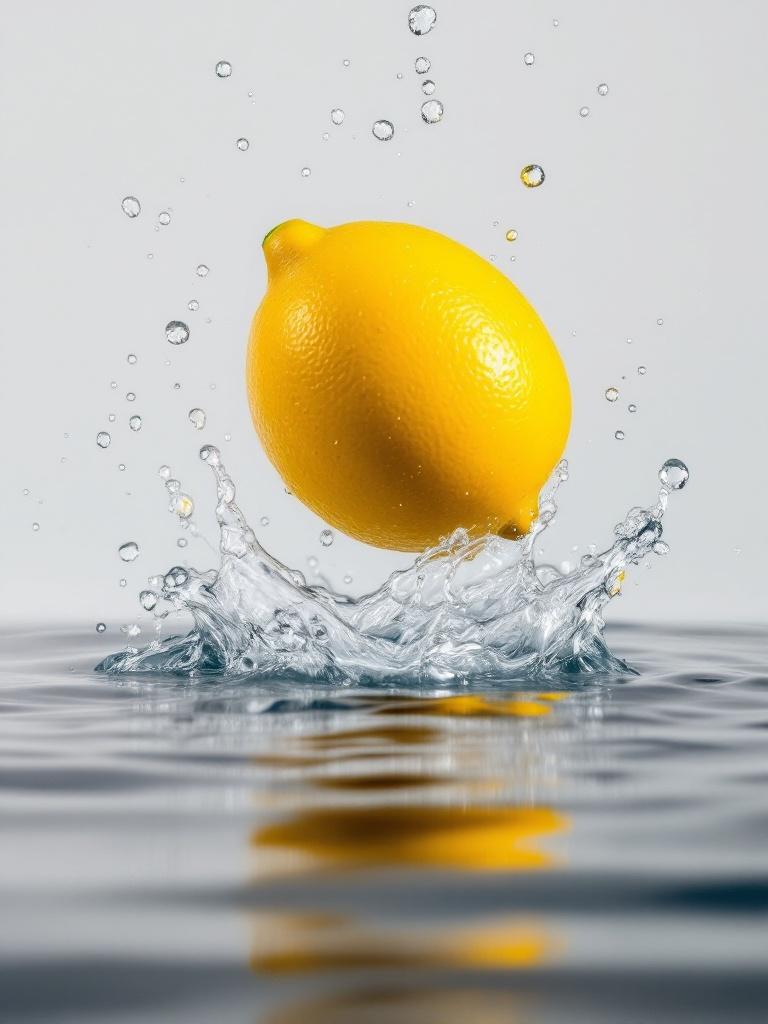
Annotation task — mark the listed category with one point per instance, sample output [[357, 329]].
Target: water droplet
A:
[[555, 23], [312, 562], [612, 394], [660, 322], [131, 206], [130, 396], [584, 112], [100, 627], [264, 520], [619, 435], [532, 176], [661, 547], [177, 386], [242, 144], [148, 599], [131, 359], [121, 467], [421, 19], [306, 171], [177, 332], [432, 111], [182, 542], [123, 582], [632, 407], [197, 418], [528, 59], [427, 86], [129, 551], [602, 89], [326, 538], [35, 527], [511, 235], [135, 423], [164, 472], [103, 439], [111, 417], [422, 65], [164, 218], [113, 384], [183, 506], [337, 115], [223, 69], [642, 370], [227, 437], [210, 454], [325, 136], [202, 270], [194, 305], [383, 130], [674, 474], [150, 255]]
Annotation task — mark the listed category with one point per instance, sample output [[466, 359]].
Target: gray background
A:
[[653, 207]]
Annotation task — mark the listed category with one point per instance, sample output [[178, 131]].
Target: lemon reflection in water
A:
[[411, 815]]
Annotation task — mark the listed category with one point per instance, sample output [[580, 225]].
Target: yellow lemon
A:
[[401, 385]]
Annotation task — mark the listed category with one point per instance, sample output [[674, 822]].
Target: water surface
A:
[[280, 852]]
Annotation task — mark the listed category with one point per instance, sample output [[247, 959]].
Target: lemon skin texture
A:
[[401, 385]]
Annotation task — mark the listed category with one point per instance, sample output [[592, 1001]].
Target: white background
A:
[[653, 207]]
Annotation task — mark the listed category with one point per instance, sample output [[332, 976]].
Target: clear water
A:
[[469, 609], [256, 850]]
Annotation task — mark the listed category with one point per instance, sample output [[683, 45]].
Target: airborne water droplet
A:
[[197, 418], [632, 407], [177, 332], [612, 394], [432, 111], [243, 144], [427, 86], [337, 115], [202, 270], [130, 396], [422, 65], [35, 527], [131, 206], [194, 305], [326, 538], [165, 218], [532, 175], [183, 506], [674, 474], [264, 520], [619, 435], [100, 627], [135, 423], [129, 551], [421, 19], [602, 89], [642, 370], [584, 112], [511, 235], [528, 59], [223, 69], [148, 599], [103, 439], [383, 130], [306, 171], [131, 359]]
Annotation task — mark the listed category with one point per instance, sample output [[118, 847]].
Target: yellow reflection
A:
[[383, 1006], [409, 735], [470, 838], [289, 944], [521, 705]]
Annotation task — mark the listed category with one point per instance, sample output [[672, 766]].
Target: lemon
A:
[[401, 385]]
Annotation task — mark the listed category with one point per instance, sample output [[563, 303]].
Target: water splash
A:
[[469, 608]]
